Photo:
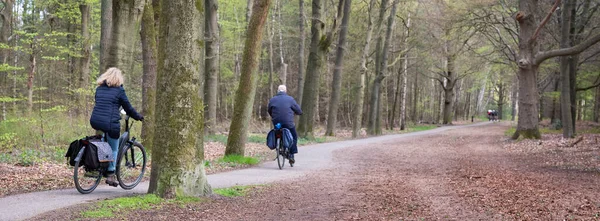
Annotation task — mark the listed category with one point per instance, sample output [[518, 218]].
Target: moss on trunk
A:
[[179, 110]]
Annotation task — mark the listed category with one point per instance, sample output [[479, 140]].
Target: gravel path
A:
[[311, 158]]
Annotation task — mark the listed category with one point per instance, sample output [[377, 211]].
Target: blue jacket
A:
[[106, 115], [282, 108]]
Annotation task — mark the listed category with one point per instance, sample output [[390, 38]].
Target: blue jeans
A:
[[114, 145]]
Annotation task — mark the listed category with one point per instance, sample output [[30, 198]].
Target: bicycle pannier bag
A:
[[73, 150], [287, 138], [104, 151], [90, 156], [271, 139]]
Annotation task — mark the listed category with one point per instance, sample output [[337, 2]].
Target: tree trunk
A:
[[84, 62], [360, 90], [527, 125], [597, 106], [245, 94], [211, 65], [284, 66], [514, 97], [30, 77], [105, 33], [313, 72], [126, 15], [271, 34], [7, 17], [382, 50], [337, 72], [301, 46], [179, 161], [565, 94], [149, 56], [404, 79], [501, 98]]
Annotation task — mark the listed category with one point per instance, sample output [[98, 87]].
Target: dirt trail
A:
[[461, 174]]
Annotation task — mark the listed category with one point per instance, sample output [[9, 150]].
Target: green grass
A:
[[421, 127], [113, 207], [237, 160], [216, 138], [233, 191], [108, 208], [221, 138], [304, 141]]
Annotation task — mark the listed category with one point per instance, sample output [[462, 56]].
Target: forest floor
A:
[[471, 173], [51, 175]]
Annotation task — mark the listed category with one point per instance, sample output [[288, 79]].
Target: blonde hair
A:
[[113, 78]]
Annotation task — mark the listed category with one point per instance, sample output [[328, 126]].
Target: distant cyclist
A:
[[282, 108]]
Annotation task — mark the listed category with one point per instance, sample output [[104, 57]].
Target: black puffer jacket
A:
[[106, 116]]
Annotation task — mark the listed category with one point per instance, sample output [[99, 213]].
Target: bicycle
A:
[[129, 172], [281, 151]]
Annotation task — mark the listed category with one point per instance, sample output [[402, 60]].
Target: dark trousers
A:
[[294, 148]]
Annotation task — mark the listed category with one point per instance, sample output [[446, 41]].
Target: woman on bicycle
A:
[[110, 96]]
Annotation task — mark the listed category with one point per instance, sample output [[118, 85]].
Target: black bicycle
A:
[[281, 151], [130, 168]]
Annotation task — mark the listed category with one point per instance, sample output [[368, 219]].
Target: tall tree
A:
[[565, 93], [360, 89], [84, 61], [529, 62], [149, 37], [149, 56], [244, 98], [6, 14], [211, 65], [319, 45], [179, 109], [126, 16], [105, 33], [383, 43], [337, 72], [301, 46]]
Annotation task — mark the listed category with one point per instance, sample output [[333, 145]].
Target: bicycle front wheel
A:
[[131, 165], [85, 182]]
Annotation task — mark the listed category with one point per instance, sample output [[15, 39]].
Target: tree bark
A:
[[149, 56], [245, 94], [360, 90], [211, 65], [126, 15], [84, 62], [382, 49], [514, 97], [5, 32], [284, 66], [301, 47], [597, 106], [336, 85], [105, 33], [404, 78], [319, 46], [565, 77], [179, 161]]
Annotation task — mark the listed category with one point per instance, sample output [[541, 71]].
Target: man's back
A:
[[282, 108]]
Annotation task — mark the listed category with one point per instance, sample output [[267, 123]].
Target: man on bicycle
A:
[[282, 108]]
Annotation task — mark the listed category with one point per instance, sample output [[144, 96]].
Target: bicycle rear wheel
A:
[[85, 183], [131, 165], [280, 154]]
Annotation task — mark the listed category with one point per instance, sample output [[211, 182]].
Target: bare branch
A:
[[596, 84], [542, 56], [539, 28]]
